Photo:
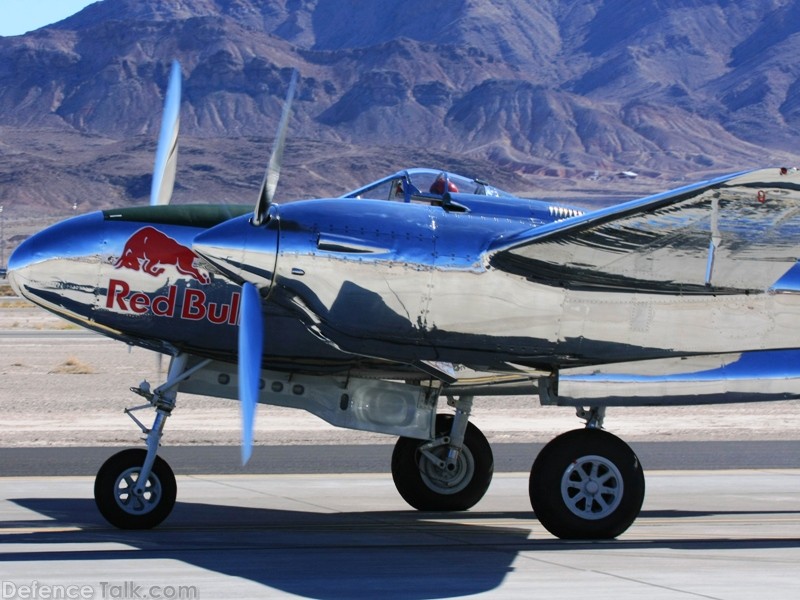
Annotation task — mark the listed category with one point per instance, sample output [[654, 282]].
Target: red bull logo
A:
[[149, 250]]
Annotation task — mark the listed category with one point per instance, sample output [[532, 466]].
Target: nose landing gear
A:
[[135, 488]]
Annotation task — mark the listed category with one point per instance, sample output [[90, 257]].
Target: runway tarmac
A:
[[702, 534]]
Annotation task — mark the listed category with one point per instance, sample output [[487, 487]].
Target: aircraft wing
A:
[[731, 235]]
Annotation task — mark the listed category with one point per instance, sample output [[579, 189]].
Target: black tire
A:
[[427, 487], [586, 484], [122, 509]]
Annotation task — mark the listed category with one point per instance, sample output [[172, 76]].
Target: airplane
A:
[[372, 309]]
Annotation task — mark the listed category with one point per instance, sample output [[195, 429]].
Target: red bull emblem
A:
[[149, 250]]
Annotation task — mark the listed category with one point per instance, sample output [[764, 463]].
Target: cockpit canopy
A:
[[424, 185]]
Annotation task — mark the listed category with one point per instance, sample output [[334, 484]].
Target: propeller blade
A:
[[270, 182], [167, 151], [159, 368], [251, 345]]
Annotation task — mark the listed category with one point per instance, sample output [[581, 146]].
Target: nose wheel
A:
[[123, 502]]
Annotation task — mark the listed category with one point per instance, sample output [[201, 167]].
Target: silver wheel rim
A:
[[591, 487], [130, 502], [446, 482]]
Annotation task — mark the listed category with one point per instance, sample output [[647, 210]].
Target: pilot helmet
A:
[[437, 187]]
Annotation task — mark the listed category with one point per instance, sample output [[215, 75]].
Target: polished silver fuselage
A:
[[448, 283]]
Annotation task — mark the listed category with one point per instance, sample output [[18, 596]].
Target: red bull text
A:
[[193, 303]]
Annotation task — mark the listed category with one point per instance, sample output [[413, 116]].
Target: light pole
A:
[[2, 240]]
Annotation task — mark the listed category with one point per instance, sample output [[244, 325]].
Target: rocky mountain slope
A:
[[534, 96]]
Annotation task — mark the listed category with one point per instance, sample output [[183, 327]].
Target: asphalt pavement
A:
[[732, 535]]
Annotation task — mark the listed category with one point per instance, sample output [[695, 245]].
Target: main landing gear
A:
[[584, 484], [135, 489], [450, 472]]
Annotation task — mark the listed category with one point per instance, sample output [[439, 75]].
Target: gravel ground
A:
[[72, 391]]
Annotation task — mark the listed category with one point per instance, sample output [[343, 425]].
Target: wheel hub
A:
[[591, 487], [450, 479], [133, 501]]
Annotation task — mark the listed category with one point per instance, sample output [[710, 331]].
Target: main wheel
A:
[[586, 484], [114, 491], [426, 486]]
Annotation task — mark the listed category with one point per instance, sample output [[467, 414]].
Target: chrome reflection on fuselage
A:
[[364, 273], [454, 281]]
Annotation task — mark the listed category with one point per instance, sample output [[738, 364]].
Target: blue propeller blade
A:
[[251, 346]]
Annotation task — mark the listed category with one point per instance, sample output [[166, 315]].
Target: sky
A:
[[21, 16]]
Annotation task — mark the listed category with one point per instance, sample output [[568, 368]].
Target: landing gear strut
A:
[[449, 473], [136, 489]]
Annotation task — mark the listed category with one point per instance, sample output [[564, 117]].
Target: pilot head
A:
[[438, 186]]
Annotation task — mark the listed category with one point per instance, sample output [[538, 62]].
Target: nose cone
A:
[[240, 250], [58, 260]]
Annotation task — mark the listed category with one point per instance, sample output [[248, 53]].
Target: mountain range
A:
[[540, 97]]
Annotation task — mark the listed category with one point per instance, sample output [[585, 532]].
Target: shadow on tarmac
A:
[[391, 555], [397, 554]]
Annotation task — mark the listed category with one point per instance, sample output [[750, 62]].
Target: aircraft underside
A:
[[441, 461]]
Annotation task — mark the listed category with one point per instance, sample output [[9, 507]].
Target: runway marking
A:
[[34, 529]]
